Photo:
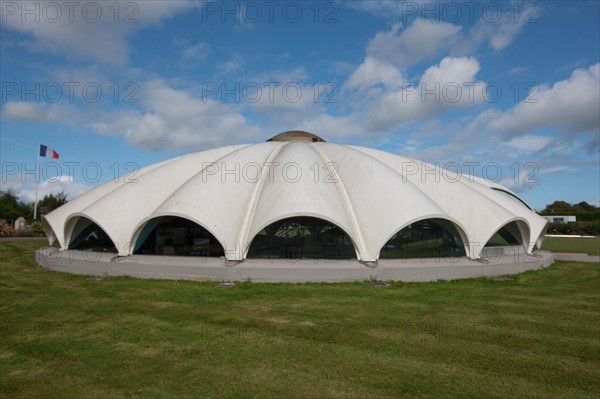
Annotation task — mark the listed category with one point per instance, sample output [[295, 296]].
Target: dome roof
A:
[[234, 192], [296, 135]]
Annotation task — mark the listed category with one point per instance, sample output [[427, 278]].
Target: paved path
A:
[[577, 257], [22, 238]]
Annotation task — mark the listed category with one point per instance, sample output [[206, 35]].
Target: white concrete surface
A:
[[278, 270]]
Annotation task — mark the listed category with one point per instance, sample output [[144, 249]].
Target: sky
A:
[[508, 91]]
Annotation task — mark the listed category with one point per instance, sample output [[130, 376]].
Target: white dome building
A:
[[294, 197]]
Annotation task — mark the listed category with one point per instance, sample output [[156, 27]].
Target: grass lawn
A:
[[534, 335], [590, 246]]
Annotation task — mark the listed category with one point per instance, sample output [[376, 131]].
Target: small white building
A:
[[20, 223], [560, 219]]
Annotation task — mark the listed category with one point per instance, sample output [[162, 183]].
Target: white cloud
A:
[[168, 119], [452, 70], [37, 112], [419, 41], [24, 188], [197, 52], [231, 65], [17, 110], [521, 183], [391, 52], [564, 121], [593, 145], [57, 185], [558, 169], [423, 39], [287, 90], [571, 105], [497, 135], [528, 143], [333, 127], [504, 34], [447, 85], [373, 72], [88, 29], [496, 34], [517, 70], [381, 8], [386, 99], [176, 120], [296, 75]]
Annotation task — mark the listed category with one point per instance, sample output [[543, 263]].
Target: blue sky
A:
[[506, 90]]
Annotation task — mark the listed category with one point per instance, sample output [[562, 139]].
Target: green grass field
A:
[[590, 246], [532, 335]]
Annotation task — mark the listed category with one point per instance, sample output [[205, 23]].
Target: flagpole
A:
[[37, 182]]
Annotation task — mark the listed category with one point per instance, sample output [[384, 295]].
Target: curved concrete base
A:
[[280, 270]]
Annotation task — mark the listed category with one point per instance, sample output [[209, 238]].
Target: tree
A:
[[587, 207], [565, 207], [559, 207], [52, 201], [11, 207]]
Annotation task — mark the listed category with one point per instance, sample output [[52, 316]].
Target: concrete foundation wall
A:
[[279, 270]]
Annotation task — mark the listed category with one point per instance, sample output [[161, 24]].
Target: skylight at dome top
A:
[[296, 196]]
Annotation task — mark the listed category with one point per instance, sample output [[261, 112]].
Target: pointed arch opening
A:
[[429, 238], [176, 236], [87, 235], [509, 235], [302, 237]]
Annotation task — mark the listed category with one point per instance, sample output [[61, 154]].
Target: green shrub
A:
[[36, 229], [576, 228]]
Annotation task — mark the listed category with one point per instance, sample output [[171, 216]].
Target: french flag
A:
[[48, 152]]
